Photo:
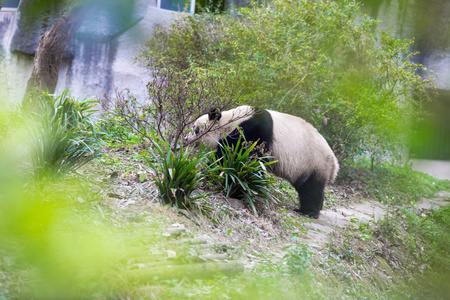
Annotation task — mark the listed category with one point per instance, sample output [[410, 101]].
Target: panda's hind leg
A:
[[311, 193]]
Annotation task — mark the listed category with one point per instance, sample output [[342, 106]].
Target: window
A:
[[177, 5], [10, 3]]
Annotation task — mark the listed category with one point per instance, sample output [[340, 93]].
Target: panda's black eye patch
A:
[[196, 131]]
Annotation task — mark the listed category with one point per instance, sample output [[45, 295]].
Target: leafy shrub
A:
[[241, 174], [63, 135], [178, 173], [316, 59], [186, 41], [116, 131]]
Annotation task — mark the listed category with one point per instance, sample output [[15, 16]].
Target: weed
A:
[[297, 259], [330, 199], [63, 135], [179, 173], [286, 191], [117, 132], [241, 174]]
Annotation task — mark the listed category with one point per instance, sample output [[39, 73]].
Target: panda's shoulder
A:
[[237, 115], [286, 117], [283, 121]]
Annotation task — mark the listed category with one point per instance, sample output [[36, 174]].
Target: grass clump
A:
[[389, 181], [117, 132], [242, 174], [178, 173], [63, 135]]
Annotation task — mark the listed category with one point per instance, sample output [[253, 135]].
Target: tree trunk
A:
[[48, 56]]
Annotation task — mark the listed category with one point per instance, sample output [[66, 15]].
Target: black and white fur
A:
[[304, 157]]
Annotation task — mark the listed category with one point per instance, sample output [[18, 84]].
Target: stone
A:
[[442, 194]]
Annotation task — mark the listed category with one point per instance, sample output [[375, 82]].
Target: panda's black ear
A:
[[214, 114]]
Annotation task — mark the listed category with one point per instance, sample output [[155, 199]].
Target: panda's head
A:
[[210, 128]]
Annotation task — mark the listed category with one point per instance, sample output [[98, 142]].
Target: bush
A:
[[117, 132], [241, 174], [178, 173], [63, 135], [315, 59], [177, 100]]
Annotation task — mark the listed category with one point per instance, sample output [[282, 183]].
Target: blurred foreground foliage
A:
[[58, 249], [51, 245], [320, 60], [56, 241]]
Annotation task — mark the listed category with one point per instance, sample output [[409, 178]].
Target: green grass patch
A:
[[388, 182]]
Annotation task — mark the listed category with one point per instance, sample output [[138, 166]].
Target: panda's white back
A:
[[300, 148]]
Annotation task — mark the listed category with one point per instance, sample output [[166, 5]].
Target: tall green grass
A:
[[178, 173], [242, 174], [63, 135]]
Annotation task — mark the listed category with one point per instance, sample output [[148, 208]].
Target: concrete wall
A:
[[98, 60]]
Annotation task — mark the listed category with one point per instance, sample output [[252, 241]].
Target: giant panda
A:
[[303, 156]]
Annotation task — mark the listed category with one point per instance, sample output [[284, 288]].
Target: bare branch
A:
[[177, 100]]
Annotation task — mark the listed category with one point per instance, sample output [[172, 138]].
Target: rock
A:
[[235, 203], [114, 175], [195, 241], [442, 194], [171, 254], [214, 256], [114, 195], [34, 20], [177, 225], [175, 231]]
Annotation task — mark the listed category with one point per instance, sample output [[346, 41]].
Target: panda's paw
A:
[[311, 214]]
